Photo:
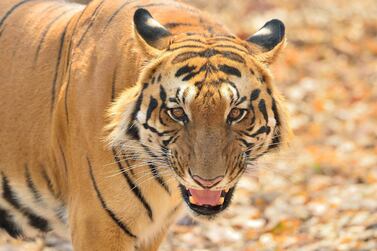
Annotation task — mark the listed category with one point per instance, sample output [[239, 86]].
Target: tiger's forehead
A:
[[212, 76], [219, 42]]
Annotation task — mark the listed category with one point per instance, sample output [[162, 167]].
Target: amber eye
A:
[[236, 115], [178, 114]]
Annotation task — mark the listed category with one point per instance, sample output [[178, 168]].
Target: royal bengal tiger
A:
[[112, 120]]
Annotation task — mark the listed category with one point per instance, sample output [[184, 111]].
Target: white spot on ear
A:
[[153, 23], [263, 32]]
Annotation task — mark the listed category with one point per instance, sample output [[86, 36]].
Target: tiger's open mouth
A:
[[205, 201]]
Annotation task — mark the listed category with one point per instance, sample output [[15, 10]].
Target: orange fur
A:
[[70, 78]]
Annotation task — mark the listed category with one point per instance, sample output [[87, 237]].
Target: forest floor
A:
[[321, 194]]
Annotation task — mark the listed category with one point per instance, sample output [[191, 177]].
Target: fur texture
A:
[[87, 146]]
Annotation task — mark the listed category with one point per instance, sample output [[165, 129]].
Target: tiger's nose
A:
[[207, 183]]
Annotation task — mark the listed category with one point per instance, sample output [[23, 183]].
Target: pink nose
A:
[[207, 183]]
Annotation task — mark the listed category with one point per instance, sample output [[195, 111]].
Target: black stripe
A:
[[207, 54], [30, 184], [263, 110], [92, 19], [162, 94], [241, 100], [64, 159], [34, 220], [235, 88], [244, 142], [69, 62], [113, 84], [11, 10], [262, 79], [154, 130], [133, 131], [254, 94], [276, 113], [168, 141], [184, 70], [195, 40], [186, 47], [275, 140], [224, 38], [230, 70], [155, 172], [174, 210], [151, 107], [112, 215], [138, 103], [230, 47], [163, 98], [233, 56], [7, 223], [173, 100], [60, 213], [175, 139], [57, 66], [262, 129], [117, 12], [44, 33], [208, 67], [50, 186], [173, 25], [276, 136], [158, 178], [135, 189]]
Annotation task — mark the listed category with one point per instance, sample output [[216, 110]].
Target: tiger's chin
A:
[[206, 204]]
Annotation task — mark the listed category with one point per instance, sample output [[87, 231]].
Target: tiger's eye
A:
[[178, 112], [235, 113]]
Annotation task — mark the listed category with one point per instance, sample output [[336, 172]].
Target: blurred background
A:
[[321, 194]]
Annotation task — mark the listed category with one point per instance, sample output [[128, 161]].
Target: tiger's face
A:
[[208, 109]]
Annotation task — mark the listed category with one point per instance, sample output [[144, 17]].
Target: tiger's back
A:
[[31, 53]]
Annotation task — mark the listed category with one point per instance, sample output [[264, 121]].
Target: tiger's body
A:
[[63, 66]]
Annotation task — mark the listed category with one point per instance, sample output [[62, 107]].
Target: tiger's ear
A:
[[150, 33], [270, 39]]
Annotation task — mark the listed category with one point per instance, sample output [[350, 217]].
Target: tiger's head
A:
[[204, 107]]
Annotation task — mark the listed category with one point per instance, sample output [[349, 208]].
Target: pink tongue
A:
[[205, 197]]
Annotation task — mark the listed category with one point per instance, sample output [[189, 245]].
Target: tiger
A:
[[120, 115]]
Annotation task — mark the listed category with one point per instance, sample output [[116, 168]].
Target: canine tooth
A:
[[227, 190], [191, 199], [221, 201]]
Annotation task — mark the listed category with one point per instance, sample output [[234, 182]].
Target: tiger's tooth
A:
[[227, 190], [221, 200], [191, 199]]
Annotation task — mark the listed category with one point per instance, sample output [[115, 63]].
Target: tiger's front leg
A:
[[92, 229], [153, 244]]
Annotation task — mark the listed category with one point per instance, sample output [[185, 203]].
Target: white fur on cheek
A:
[[141, 117], [271, 121]]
